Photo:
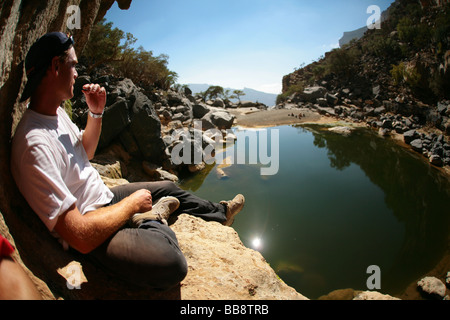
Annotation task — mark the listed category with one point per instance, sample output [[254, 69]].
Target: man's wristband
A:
[[95, 115]]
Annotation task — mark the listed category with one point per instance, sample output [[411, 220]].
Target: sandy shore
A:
[[254, 118]]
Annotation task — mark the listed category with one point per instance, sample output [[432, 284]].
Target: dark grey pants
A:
[[150, 255]]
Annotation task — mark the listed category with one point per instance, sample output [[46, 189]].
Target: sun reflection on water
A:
[[257, 243]]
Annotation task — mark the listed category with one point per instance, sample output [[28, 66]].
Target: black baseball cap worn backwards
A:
[[40, 57]]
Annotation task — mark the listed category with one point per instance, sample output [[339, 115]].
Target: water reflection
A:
[[338, 205], [417, 194]]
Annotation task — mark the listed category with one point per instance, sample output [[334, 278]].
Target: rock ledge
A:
[[222, 268]]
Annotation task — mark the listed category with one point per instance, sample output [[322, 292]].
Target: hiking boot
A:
[[233, 208], [161, 211]]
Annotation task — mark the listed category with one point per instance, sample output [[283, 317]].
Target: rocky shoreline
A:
[[425, 128]]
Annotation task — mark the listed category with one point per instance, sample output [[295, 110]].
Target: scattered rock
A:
[[436, 160], [221, 174], [248, 104], [326, 111], [331, 99], [219, 103], [383, 132], [112, 171], [378, 111], [345, 131], [387, 124], [410, 136], [432, 286], [340, 294], [417, 145], [200, 110], [373, 295], [193, 168], [158, 174], [222, 119], [311, 94]]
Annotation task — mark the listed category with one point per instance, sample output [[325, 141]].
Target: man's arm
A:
[[96, 101], [86, 232]]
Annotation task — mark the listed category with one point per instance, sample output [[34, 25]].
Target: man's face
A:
[[68, 74]]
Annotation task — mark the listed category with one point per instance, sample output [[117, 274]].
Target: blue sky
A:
[[241, 43]]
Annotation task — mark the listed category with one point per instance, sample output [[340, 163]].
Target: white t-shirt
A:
[[51, 167]]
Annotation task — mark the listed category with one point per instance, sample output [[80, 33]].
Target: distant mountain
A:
[[350, 35], [359, 33], [269, 99]]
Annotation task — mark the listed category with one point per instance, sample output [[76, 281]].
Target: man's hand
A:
[[95, 98], [87, 232], [143, 201], [96, 101]]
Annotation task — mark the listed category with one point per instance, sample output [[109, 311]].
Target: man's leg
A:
[[189, 203], [146, 256], [15, 283], [150, 255]]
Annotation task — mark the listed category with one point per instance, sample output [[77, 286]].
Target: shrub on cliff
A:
[[113, 47], [442, 30], [417, 35], [342, 61], [299, 87], [146, 70], [401, 74], [382, 46]]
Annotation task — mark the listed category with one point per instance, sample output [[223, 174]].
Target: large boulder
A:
[[373, 295], [130, 117], [174, 98], [200, 110], [432, 286], [222, 119], [222, 268], [311, 94], [116, 119], [410, 135], [219, 103], [146, 130]]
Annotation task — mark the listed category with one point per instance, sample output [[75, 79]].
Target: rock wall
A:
[[429, 3]]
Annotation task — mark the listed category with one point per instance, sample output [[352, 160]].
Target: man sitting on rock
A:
[[125, 228]]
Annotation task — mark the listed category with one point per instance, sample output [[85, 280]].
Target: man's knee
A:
[[172, 271], [15, 283], [152, 254], [169, 186], [163, 189], [177, 269]]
